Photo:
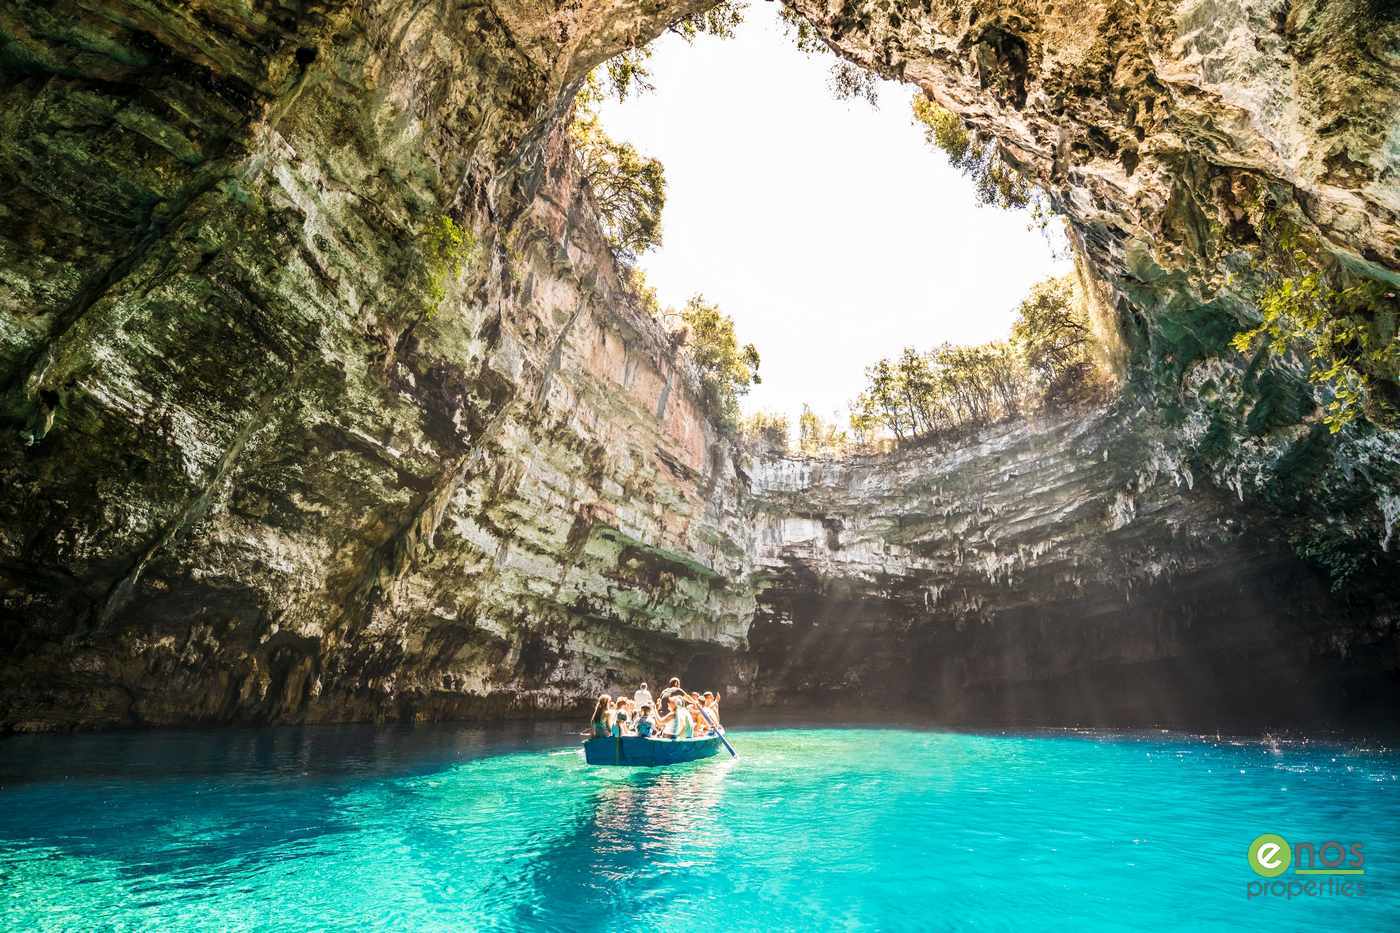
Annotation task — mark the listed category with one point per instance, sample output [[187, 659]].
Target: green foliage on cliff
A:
[[634, 281], [627, 73], [719, 21], [996, 182], [629, 189], [847, 80], [1344, 557], [802, 33], [1346, 330], [817, 437], [447, 249], [727, 369], [921, 395], [766, 429]]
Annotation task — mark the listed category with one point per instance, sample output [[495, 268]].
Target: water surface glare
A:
[[886, 829]]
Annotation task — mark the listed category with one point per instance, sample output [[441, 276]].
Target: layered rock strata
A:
[[322, 398], [269, 453], [1195, 148], [1066, 571]]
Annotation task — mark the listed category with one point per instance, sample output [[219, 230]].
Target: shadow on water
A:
[[302, 751], [200, 799]]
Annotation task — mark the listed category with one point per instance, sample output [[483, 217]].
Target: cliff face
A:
[[1065, 570], [269, 454], [280, 444], [1179, 139]]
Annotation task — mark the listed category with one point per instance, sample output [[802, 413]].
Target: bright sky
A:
[[829, 230]]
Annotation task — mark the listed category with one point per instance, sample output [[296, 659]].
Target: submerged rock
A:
[[277, 450]]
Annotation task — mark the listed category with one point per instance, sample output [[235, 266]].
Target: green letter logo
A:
[[1269, 855]]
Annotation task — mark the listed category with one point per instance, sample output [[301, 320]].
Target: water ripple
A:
[[822, 828]]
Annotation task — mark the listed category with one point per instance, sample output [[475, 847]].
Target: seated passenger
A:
[[692, 706], [682, 724], [645, 723], [619, 728], [697, 719], [601, 723]]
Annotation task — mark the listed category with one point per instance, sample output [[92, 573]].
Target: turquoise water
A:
[[879, 829]]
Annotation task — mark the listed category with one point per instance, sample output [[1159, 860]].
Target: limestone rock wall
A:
[[1174, 136], [271, 452], [266, 456], [1068, 570]]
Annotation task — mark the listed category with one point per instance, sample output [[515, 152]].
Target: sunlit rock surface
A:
[[1065, 570], [1174, 136], [267, 457]]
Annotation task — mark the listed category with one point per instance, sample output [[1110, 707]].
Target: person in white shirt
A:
[[642, 697], [678, 723]]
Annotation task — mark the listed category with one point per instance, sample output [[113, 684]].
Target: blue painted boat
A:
[[637, 751]]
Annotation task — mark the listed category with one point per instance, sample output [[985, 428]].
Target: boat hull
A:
[[639, 752]]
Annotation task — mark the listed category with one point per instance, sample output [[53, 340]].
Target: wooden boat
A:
[[635, 750]]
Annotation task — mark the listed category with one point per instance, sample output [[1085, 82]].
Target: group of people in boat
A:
[[676, 714]]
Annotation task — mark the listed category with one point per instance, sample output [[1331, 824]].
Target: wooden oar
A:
[[715, 726]]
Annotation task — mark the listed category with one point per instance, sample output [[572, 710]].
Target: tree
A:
[[885, 401], [636, 286], [719, 21], [920, 395], [1004, 375], [847, 81], [629, 189], [996, 182], [768, 429], [817, 437], [918, 385], [627, 73], [727, 370], [1052, 333]]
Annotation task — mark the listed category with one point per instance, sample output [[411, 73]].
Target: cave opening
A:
[[863, 237], [741, 132], [320, 329], [335, 405]]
